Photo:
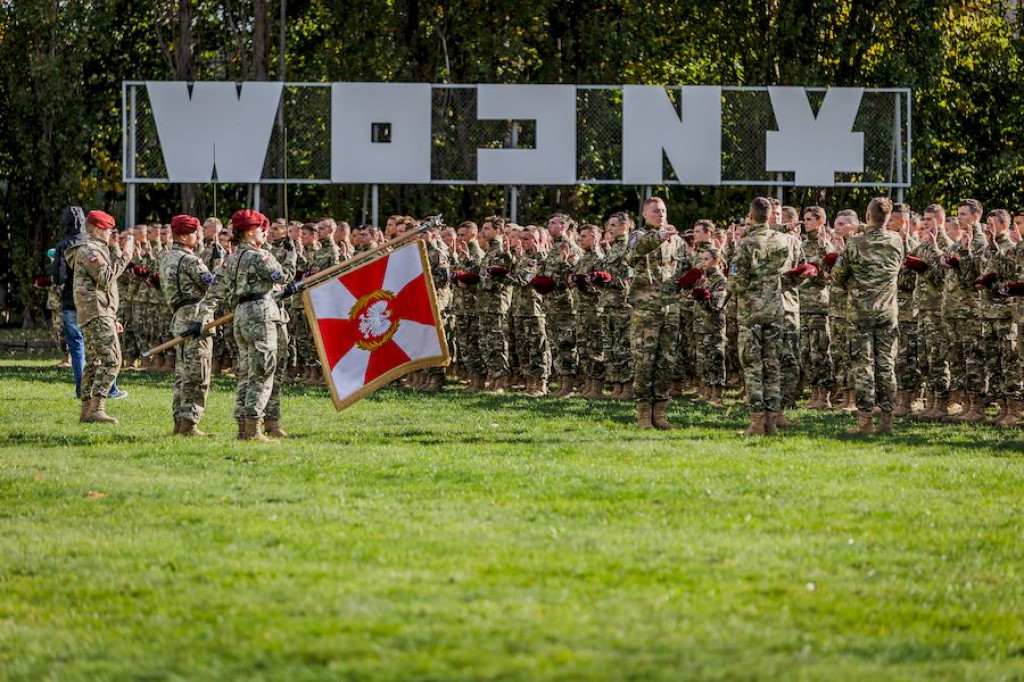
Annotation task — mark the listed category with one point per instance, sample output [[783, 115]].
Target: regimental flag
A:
[[376, 323]]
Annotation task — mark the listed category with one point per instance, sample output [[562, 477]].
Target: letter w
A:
[[214, 125]]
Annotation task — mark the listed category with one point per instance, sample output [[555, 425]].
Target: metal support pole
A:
[[130, 205], [779, 189], [513, 213], [256, 196], [897, 142], [374, 204]]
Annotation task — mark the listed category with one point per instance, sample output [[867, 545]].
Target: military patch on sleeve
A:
[[265, 259], [207, 278], [277, 276]]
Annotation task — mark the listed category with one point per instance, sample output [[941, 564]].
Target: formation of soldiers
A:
[[901, 314]]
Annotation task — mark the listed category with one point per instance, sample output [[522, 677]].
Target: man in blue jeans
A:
[[73, 222]]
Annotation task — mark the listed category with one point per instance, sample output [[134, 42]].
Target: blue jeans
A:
[[76, 348]]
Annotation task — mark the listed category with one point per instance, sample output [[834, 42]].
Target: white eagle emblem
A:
[[375, 320]]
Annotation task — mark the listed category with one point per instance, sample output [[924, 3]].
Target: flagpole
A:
[[317, 278]]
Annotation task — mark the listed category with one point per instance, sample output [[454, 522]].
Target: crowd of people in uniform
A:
[[898, 314]]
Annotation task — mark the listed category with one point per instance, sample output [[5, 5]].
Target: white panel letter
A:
[[216, 125], [650, 125], [815, 148], [553, 161], [355, 157]]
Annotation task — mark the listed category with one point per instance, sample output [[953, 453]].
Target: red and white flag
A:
[[376, 323]]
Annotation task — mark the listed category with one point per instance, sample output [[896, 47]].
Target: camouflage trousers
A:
[[999, 350], [873, 355], [192, 361], [654, 333], [133, 343], [733, 367], [305, 346], [494, 342], [842, 366], [615, 335], [686, 348], [589, 341], [256, 335], [448, 323], [562, 331], [760, 348], [467, 331], [932, 345], [224, 348], [966, 366], [711, 357], [908, 365], [57, 332], [273, 410], [816, 350], [102, 357], [790, 362], [532, 344]]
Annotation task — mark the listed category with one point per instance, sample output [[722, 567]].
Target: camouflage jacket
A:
[[588, 295], [463, 295], [328, 255], [906, 286], [615, 293], [814, 291], [869, 270], [212, 256], [757, 272], [557, 268], [97, 268], [185, 281], [252, 272], [709, 315], [960, 299], [440, 272], [495, 291], [525, 301], [929, 282], [993, 260], [655, 264]]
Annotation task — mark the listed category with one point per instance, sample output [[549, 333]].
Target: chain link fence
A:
[[302, 136]]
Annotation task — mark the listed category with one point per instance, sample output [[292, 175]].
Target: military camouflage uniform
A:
[[789, 367], [963, 320], [613, 301], [284, 341], [589, 314], [440, 273], [185, 280], [709, 329], [762, 259], [932, 340], [560, 307], [869, 269], [528, 319], [97, 269], [467, 323], [815, 327], [493, 299], [327, 255], [999, 332], [654, 324], [908, 369]]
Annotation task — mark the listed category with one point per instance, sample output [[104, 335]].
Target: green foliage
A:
[[63, 63], [458, 537]]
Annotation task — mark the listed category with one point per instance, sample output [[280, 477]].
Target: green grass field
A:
[[461, 537]]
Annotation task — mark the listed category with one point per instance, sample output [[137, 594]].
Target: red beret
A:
[[99, 219], [248, 219], [184, 224]]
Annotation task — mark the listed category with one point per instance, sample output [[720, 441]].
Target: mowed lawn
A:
[[454, 537]]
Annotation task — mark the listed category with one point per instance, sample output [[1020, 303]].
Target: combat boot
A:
[[177, 427], [643, 416], [815, 402], [658, 419], [918, 403], [565, 386], [272, 428], [780, 421], [1012, 418], [98, 413], [771, 423], [1003, 406], [884, 427], [715, 399], [86, 409], [956, 402], [850, 404], [863, 427], [939, 411], [215, 368], [627, 391], [756, 427], [616, 393], [929, 405], [902, 407], [591, 390], [190, 429], [435, 382], [973, 413], [476, 384], [254, 430], [241, 429], [540, 388]]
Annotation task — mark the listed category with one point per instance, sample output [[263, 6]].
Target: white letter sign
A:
[[650, 125], [815, 148], [215, 124], [553, 161]]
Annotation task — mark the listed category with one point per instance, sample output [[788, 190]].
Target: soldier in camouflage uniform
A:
[[708, 329], [326, 255], [908, 372], [494, 297], [250, 276], [791, 377], [282, 247], [98, 261], [301, 334], [1011, 274], [815, 330], [560, 302], [612, 278], [761, 262], [963, 314], [999, 332], [528, 314], [654, 326], [185, 281], [589, 314], [224, 349], [932, 341], [846, 225], [468, 256], [869, 270], [440, 273]]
